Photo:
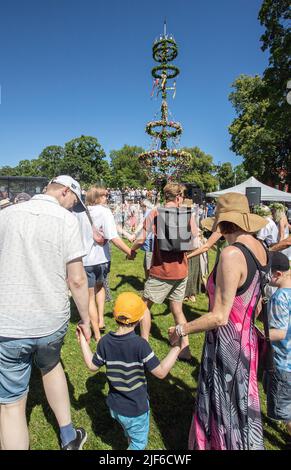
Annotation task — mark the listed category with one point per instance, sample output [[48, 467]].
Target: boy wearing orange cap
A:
[[126, 356]]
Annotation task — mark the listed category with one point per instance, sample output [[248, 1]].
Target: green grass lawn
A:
[[171, 399]]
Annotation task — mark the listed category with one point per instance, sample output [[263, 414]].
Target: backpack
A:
[[174, 229]]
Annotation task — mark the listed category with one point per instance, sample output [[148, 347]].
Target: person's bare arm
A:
[[86, 351], [281, 245], [140, 241], [168, 362], [209, 244], [277, 335], [121, 246], [229, 273], [78, 285], [281, 230]]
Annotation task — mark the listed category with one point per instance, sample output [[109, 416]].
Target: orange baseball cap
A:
[[129, 308]]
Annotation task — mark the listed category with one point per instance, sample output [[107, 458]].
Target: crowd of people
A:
[[58, 243]]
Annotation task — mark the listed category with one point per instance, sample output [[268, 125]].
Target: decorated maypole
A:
[[164, 162]]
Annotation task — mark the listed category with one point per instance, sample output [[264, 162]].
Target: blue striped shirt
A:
[[280, 319], [126, 357]]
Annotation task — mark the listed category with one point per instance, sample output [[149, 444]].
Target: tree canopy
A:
[[261, 131], [126, 169], [201, 171]]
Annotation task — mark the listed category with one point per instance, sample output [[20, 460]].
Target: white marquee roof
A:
[[267, 192]]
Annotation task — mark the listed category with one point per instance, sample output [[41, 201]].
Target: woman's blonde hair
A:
[[94, 194], [278, 210]]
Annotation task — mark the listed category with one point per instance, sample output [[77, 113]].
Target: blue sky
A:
[[72, 67]]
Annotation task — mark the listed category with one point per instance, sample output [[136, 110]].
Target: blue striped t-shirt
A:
[[280, 318], [126, 357]]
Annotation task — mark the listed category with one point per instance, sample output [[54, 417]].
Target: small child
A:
[[126, 356], [278, 383]]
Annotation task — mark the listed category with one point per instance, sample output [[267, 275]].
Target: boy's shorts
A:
[[277, 386], [16, 356], [136, 429]]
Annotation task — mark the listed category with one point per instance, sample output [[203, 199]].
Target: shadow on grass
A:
[[94, 402], [136, 282], [282, 434], [172, 408]]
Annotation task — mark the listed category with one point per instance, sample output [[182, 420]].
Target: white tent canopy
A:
[[267, 192]]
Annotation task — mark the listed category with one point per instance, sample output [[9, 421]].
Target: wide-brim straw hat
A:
[[208, 224], [234, 207]]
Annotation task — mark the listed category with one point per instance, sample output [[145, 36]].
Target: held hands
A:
[[83, 332], [131, 256], [175, 339], [98, 236]]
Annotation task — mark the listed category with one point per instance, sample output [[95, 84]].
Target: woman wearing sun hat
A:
[[227, 415]]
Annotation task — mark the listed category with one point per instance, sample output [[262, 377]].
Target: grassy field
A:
[[171, 399]]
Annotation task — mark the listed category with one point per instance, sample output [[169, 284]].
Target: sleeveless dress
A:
[[227, 415]]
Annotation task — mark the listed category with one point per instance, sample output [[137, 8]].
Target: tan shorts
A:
[[157, 290]]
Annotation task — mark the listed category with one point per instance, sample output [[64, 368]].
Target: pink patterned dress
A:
[[227, 414]]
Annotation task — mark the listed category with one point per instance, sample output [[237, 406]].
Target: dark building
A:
[[10, 186]]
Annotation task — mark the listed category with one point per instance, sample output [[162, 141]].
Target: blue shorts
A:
[[97, 274], [16, 357], [277, 387], [136, 429]]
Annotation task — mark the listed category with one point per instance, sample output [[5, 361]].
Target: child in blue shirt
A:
[[126, 356], [278, 383]]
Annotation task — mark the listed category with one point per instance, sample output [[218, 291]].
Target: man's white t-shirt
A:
[[104, 222], [37, 240], [269, 233]]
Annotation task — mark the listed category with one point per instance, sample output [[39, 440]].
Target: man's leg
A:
[[145, 324], [56, 390], [93, 313], [179, 317], [13, 426], [100, 301]]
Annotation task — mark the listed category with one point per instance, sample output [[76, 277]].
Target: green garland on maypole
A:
[[164, 163]]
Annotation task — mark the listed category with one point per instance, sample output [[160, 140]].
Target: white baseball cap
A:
[[74, 186]]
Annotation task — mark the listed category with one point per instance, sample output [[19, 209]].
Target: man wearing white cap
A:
[[40, 256]]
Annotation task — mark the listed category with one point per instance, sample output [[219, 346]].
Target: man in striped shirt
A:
[[126, 356]]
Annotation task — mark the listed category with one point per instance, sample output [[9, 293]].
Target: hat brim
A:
[[248, 222], [208, 223], [80, 206]]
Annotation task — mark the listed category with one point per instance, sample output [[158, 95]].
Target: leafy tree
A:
[[8, 171], [28, 168], [84, 160], [261, 131], [50, 161], [240, 174], [275, 16], [201, 170], [126, 169], [225, 175], [249, 134]]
